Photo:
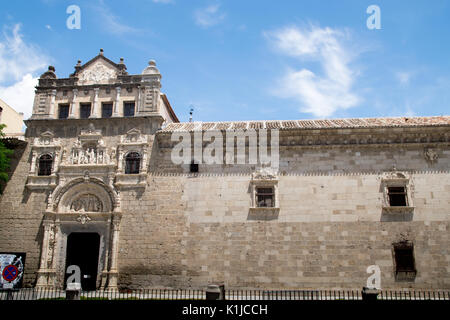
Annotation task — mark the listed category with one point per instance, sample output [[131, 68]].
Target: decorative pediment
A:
[[98, 72], [133, 136], [395, 175], [45, 139]]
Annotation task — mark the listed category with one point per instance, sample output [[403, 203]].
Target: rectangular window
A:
[[85, 110], [404, 261], [265, 197], [63, 112], [128, 109], [107, 110], [397, 196]]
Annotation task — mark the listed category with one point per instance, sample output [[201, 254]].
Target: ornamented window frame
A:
[[46, 143], [264, 178], [132, 141], [397, 179]]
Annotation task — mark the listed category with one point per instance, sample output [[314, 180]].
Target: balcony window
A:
[[63, 112], [128, 109], [85, 110], [107, 110]]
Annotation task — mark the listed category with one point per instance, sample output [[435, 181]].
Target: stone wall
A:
[[187, 230]]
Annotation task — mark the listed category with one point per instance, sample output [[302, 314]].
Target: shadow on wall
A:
[[18, 146]]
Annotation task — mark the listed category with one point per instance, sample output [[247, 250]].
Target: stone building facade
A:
[[347, 194]]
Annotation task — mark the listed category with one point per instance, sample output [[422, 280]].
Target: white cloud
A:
[[209, 16], [320, 95], [403, 77], [111, 22], [19, 62], [162, 1], [18, 58], [20, 95]]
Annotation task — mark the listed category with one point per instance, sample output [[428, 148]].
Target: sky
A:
[[245, 60]]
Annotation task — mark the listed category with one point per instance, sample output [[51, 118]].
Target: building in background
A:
[[97, 187], [13, 121]]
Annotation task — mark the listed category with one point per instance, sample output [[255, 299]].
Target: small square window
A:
[[128, 109], [107, 110], [194, 167], [265, 197], [63, 112], [85, 110], [397, 196]]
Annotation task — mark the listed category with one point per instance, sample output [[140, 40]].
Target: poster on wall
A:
[[12, 265]]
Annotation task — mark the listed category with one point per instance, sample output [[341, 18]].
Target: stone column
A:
[[72, 104], [138, 106], [120, 160], [95, 110], [55, 162], [144, 161], [113, 272], [116, 103], [104, 277], [33, 163], [42, 280], [55, 249], [52, 104]]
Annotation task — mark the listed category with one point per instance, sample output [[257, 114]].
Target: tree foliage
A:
[[5, 154]]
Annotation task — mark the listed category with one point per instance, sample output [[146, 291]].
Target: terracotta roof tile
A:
[[314, 124]]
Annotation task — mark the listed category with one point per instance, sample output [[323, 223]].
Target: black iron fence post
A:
[[370, 294]]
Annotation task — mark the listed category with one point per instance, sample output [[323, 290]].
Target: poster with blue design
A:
[[12, 266]]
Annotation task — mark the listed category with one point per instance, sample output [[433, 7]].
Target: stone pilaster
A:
[[95, 108], [116, 103], [52, 104], [72, 104], [113, 271]]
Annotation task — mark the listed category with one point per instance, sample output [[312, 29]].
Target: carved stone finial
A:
[[151, 68], [49, 74], [101, 51]]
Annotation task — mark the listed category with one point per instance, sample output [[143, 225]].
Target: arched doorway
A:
[[81, 227]]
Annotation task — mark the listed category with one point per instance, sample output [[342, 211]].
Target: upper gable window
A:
[[128, 109], [107, 110], [63, 112], [85, 110]]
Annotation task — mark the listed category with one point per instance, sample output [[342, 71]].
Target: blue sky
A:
[[245, 60]]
